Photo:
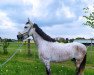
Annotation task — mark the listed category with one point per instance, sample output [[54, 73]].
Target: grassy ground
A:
[[24, 64]]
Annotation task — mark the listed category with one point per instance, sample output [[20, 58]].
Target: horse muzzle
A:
[[20, 37]]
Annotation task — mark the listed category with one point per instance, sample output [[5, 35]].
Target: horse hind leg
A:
[[80, 66], [77, 64]]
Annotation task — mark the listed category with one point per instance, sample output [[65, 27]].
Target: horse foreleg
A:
[[48, 71], [47, 65]]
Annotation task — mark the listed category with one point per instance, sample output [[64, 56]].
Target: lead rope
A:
[[8, 59]]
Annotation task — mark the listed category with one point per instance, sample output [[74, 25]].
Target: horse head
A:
[[28, 31]]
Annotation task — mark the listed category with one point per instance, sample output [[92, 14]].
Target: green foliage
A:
[[63, 40], [80, 38], [5, 45], [89, 17]]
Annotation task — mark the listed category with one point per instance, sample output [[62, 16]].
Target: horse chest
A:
[[43, 52]]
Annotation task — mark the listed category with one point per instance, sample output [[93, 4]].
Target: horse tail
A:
[[82, 65]]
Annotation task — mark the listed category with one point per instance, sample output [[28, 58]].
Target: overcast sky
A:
[[58, 18]]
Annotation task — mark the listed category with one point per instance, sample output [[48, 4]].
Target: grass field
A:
[[24, 64]]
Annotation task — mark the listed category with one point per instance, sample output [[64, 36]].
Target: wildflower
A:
[[36, 67], [6, 70]]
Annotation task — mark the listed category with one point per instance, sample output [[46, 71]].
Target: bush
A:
[[5, 44]]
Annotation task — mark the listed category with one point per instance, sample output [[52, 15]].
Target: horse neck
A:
[[38, 39]]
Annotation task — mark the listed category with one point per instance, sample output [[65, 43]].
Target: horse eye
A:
[[25, 27]]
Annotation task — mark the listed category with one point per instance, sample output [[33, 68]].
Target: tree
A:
[[5, 45], [80, 38], [61, 40], [0, 39], [89, 17]]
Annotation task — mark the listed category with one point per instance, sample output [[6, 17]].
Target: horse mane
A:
[[42, 34]]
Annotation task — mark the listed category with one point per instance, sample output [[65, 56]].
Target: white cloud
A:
[[65, 11], [64, 32], [5, 22], [43, 9], [39, 8], [7, 27], [68, 13], [70, 30], [12, 1], [88, 3]]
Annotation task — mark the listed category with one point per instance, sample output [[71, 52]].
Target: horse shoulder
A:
[[44, 51]]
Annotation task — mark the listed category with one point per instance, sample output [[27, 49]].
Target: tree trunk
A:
[[5, 51]]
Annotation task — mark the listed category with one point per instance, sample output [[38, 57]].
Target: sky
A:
[[57, 18]]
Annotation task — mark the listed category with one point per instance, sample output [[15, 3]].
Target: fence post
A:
[[28, 46], [91, 44]]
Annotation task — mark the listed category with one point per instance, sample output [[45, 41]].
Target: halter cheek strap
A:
[[27, 33]]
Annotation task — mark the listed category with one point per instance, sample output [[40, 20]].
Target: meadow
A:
[[24, 64]]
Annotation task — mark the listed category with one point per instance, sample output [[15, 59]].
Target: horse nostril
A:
[[18, 37]]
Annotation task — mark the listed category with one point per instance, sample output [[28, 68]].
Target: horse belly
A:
[[59, 57]]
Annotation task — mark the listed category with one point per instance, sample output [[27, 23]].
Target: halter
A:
[[22, 35], [27, 33]]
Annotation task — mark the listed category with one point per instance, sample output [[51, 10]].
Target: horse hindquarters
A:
[[80, 58]]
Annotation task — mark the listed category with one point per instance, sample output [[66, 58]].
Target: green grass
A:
[[24, 64]]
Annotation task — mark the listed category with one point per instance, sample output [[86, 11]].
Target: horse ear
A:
[[19, 33], [30, 22]]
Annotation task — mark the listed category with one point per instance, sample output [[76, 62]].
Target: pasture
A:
[[24, 64]]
